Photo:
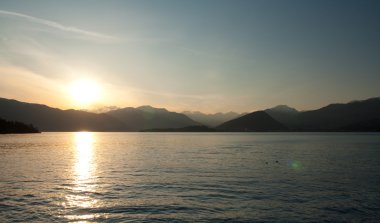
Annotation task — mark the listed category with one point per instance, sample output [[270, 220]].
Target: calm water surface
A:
[[190, 177]]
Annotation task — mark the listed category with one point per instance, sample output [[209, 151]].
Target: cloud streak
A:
[[56, 25]]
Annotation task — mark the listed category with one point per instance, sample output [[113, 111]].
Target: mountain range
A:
[[126, 119], [354, 116]]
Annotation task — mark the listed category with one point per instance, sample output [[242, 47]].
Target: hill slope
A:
[[253, 122], [338, 117]]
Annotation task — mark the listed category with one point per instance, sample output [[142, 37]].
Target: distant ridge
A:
[[283, 108], [284, 114], [212, 120]]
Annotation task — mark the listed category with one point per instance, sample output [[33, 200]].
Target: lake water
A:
[[190, 177]]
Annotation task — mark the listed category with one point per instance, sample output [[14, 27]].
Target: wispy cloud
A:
[[59, 26]]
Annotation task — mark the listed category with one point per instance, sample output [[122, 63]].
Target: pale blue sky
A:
[[192, 55]]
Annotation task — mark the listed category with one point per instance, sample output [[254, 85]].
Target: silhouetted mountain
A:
[[211, 120], [15, 127], [127, 119], [52, 119], [253, 122], [147, 117], [197, 128], [339, 117], [284, 114]]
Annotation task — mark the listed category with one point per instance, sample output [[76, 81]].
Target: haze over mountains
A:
[[148, 117], [212, 120], [354, 116], [283, 114]]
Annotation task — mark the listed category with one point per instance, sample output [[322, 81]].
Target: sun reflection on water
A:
[[84, 150], [84, 180]]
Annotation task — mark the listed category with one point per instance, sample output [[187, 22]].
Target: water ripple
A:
[[105, 177]]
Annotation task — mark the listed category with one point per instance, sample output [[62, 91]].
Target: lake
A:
[[190, 177]]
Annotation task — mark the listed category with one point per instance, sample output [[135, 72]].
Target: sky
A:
[[199, 55]]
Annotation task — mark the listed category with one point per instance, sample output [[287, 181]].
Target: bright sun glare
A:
[[84, 92]]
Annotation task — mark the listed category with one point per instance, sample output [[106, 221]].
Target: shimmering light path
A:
[[84, 182]]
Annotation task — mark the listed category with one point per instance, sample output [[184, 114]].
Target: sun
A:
[[84, 92]]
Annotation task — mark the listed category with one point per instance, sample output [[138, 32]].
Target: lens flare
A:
[[295, 164]]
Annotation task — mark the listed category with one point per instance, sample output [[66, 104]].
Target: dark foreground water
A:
[[186, 177]]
